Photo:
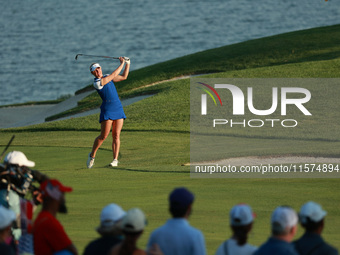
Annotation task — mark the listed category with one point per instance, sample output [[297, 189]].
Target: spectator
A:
[[241, 222], [7, 217], [176, 236], [16, 181], [133, 225], [11, 185], [312, 219], [111, 234], [284, 226], [48, 234]]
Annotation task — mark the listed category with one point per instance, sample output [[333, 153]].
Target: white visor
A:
[[94, 67]]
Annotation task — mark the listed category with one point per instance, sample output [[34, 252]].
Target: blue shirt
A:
[[177, 237], [276, 247], [313, 244]]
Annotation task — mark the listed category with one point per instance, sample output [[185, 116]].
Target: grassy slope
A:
[[295, 47], [153, 149]]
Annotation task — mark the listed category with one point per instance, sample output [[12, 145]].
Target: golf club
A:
[[94, 56], [9, 143]]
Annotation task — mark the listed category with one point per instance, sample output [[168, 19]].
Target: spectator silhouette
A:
[[133, 225], [109, 229], [176, 236], [48, 234], [312, 219], [7, 217], [241, 222], [284, 226]]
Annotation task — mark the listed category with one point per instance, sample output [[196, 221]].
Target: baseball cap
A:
[[313, 211], [241, 215], [283, 217], [94, 67], [109, 216], [7, 216], [18, 158], [134, 221], [181, 197], [53, 188]]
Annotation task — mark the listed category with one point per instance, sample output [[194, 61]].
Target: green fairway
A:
[[147, 184], [155, 144]]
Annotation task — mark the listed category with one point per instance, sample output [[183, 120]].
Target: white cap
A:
[[6, 217], [134, 221], [94, 67], [109, 216], [241, 215], [313, 211], [18, 158], [284, 217]]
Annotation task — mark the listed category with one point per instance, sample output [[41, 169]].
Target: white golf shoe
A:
[[90, 161], [114, 163]]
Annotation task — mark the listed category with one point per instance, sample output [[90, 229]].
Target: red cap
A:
[[53, 188]]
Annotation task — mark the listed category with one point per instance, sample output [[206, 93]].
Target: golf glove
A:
[[127, 60]]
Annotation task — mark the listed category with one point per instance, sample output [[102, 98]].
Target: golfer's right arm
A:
[[115, 73]]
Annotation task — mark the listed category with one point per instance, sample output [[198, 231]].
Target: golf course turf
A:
[[155, 144]]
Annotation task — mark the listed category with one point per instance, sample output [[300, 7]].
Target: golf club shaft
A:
[[94, 56], [9, 143]]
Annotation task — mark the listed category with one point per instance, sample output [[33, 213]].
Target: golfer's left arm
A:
[[114, 74], [125, 73]]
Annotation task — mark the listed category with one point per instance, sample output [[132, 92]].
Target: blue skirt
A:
[[111, 110]]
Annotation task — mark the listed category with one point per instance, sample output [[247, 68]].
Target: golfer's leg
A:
[[105, 131], [117, 126]]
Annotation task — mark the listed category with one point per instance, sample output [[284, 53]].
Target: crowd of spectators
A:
[[120, 230]]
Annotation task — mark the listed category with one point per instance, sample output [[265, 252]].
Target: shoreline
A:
[[21, 116]]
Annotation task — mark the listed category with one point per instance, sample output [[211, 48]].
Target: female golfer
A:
[[111, 109]]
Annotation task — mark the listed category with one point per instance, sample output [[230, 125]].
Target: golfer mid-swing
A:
[[111, 109]]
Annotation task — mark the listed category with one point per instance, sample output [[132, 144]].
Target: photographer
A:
[[16, 182]]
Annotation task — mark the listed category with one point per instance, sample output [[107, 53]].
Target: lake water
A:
[[40, 38]]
